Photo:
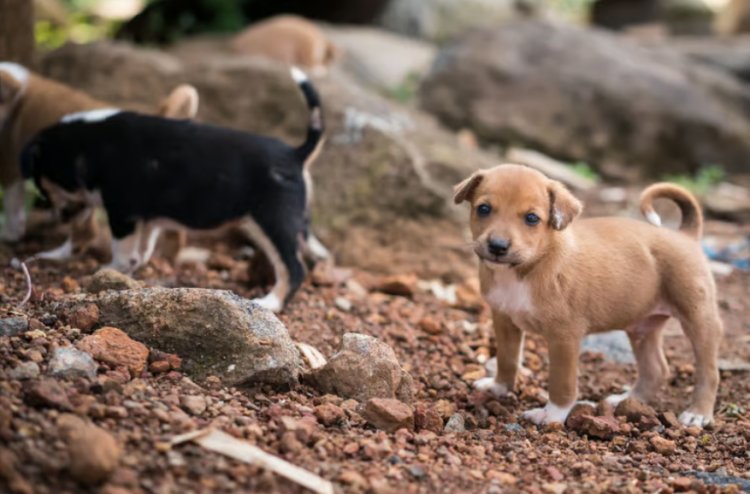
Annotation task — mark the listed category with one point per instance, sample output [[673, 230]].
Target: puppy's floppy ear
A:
[[465, 190], [182, 103], [9, 88], [563, 205]]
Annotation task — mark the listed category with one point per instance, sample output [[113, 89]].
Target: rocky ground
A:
[[85, 409]]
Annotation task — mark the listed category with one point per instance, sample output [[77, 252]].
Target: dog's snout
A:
[[498, 246]]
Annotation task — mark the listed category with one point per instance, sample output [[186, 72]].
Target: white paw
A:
[[489, 385], [551, 413], [318, 251], [692, 419], [615, 400], [270, 302]]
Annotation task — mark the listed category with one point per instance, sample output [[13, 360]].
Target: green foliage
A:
[[584, 169], [701, 182], [406, 91], [575, 9]]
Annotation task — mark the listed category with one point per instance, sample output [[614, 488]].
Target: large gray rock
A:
[[364, 368], [439, 20], [215, 332], [383, 181], [588, 95], [729, 54]]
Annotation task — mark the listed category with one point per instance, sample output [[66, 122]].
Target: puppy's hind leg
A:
[[281, 248], [704, 329], [15, 215], [653, 370]]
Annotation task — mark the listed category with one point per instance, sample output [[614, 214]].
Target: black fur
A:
[[199, 175]]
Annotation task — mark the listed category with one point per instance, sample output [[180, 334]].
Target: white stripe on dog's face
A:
[[91, 115], [16, 71]]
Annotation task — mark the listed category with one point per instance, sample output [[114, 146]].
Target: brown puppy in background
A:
[[543, 272], [290, 39], [30, 103]]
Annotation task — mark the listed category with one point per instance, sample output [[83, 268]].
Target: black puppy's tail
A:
[[316, 128]]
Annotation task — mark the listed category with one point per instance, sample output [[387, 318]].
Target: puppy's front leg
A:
[[15, 215], [509, 348], [563, 381], [126, 242]]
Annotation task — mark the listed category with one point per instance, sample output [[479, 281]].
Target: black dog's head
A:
[[59, 169]]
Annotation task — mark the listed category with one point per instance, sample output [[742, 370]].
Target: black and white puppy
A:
[[148, 172]]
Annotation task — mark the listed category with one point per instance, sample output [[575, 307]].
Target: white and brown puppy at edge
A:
[[544, 271], [149, 172], [30, 103]]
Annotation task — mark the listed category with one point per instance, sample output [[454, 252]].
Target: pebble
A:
[[13, 326], [84, 317], [403, 285], [24, 371], [69, 362], [114, 347], [388, 414], [47, 392], [456, 423], [329, 414], [343, 304], [94, 453], [663, 446], [193, 404]]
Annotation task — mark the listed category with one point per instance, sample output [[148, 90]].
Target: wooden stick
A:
[[220, 442]]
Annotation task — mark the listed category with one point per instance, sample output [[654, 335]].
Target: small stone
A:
[[430, 325], [94, 453], [555, 487], [364, 368], [69, 362], [353, 478], [114, 347], [496, 409], [663, 446], [599, 427], [503, 477], [388, 414], [455, 424], [605, 408], [10, 474], [669, 419], [69, 285], [400, 285], [109, 279], [47, 392], [633, 410], [343, 304], [305, 428], [682, 484], [159, 367], [193, 404], [427, 418], [289, 443], [34, 334], [13, 326], [329, 414], [84, 317], [24, 371]]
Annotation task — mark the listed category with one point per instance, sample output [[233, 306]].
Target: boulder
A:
[[364, 368], [383, 183], [215, 332], [586, 95], [439, 20]]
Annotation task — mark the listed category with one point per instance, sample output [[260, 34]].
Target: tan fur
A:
[[289, 39], [734, 18], [43, 102], [567, 277]]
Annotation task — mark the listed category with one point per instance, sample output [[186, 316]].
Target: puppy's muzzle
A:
[[498, 247]]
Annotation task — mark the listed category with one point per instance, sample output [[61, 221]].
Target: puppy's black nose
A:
[[498, 246]]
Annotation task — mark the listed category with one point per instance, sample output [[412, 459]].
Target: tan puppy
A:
[[543, 272], [290, 39], [29, 103]]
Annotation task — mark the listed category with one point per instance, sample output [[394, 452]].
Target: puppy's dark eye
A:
[[532, 219], [484, 210]]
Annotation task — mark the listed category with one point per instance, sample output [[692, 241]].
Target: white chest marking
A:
[[91, 115], [508, 293]]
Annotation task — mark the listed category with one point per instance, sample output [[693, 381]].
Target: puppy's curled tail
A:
[[692, 216], [316, 127]]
